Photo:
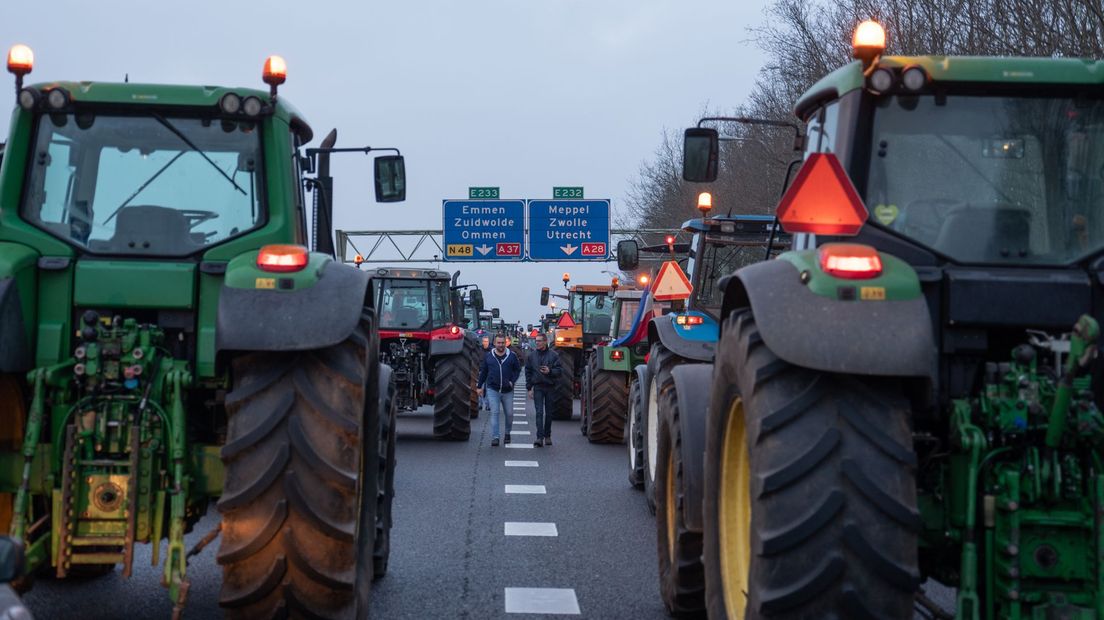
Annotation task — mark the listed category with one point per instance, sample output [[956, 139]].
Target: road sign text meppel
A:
[[569, 230]]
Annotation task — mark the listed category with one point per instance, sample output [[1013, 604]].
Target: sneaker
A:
[[507, 437], [538, 443], [494, 442], [547, 441]]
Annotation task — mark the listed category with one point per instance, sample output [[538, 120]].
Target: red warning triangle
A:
[[671, 283], [565, 322], [822, 200]]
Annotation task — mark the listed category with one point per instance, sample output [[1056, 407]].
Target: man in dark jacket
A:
[[542, 371], [497, 374]]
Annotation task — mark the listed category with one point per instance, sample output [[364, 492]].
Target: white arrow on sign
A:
[[484, 249], [568, 249]]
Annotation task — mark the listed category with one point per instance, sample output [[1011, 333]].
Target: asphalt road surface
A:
[[568, 535]]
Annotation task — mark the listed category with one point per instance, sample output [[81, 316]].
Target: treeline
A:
[[806, 39]]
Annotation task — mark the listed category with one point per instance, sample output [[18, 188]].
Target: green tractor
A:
[[913, 392], [604, 398], [166, 339]]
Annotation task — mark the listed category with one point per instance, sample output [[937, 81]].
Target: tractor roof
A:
[[591, 288], [973, 69], [132, 94], [628, 294], [412, 274], [743, 223]]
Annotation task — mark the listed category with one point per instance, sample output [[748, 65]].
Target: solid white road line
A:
[[530, 529], [542, 601], [526, 489], [522, 464]]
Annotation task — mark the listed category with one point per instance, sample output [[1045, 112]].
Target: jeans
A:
[[500, 401], [543, 420]]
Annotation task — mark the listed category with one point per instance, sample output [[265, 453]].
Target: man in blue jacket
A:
[[497, 374]]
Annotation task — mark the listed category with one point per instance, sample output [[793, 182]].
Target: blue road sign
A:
[[562, 230], [484, 230]]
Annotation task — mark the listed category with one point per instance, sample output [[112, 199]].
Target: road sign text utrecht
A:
[[569, 229], [484, 230]]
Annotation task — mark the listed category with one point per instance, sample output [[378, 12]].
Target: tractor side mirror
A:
[[628, 255], [494, 313], [700, 148], [390, 178], [475, 296], [544, 296], [11, 559]]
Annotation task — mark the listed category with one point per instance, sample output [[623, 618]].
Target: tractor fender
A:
[[880, 338], [662, 329], [445, 347], [693, 383], [313, 317], [640, 372], [15, 351]]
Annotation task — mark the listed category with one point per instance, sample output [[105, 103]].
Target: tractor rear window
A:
[[415, 305], [597, 314], [628, 313], [1015, 180], [144, 185]]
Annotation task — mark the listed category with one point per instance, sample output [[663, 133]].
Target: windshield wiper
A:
[[144, 186], [191, 145]]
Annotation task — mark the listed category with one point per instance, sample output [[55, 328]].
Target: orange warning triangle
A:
[[565, 322], [822, 200], [671, 283]]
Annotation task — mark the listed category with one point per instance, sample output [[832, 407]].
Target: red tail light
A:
[[617, 356], [282, 258], [850, 260], [451, 332]]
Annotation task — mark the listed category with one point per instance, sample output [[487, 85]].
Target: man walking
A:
[[497, 373], [542, 371]]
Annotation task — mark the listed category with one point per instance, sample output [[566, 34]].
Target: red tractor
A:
[[433, 357]]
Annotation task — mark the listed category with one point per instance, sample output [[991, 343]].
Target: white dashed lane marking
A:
[[541, 601], [519, 433], [526, 489], [522, 464], [520, 446], [530, 529], [516, 422]]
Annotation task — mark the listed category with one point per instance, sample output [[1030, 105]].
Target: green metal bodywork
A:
[[94, 458], [897, 282], [970, 69]]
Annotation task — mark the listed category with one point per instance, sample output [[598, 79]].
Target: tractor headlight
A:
[[29, 98], [881, 80], [252, 106], [230, 103], [57, 98], [914, 78]]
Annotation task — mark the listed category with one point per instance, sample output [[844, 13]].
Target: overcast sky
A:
[[520, 94]]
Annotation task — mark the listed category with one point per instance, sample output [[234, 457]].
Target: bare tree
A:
[[806, 39]]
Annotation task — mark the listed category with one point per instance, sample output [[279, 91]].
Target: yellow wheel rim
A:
[[671, 506], [13, 416], [734, 507]]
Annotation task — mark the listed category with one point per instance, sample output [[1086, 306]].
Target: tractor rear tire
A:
[[453, 388], [586, 394], [385, 491], [476, 353], [609, 402], [660, 363], [301, 461], [633, 434], [563, 393], [681, 576], [810, 503]]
